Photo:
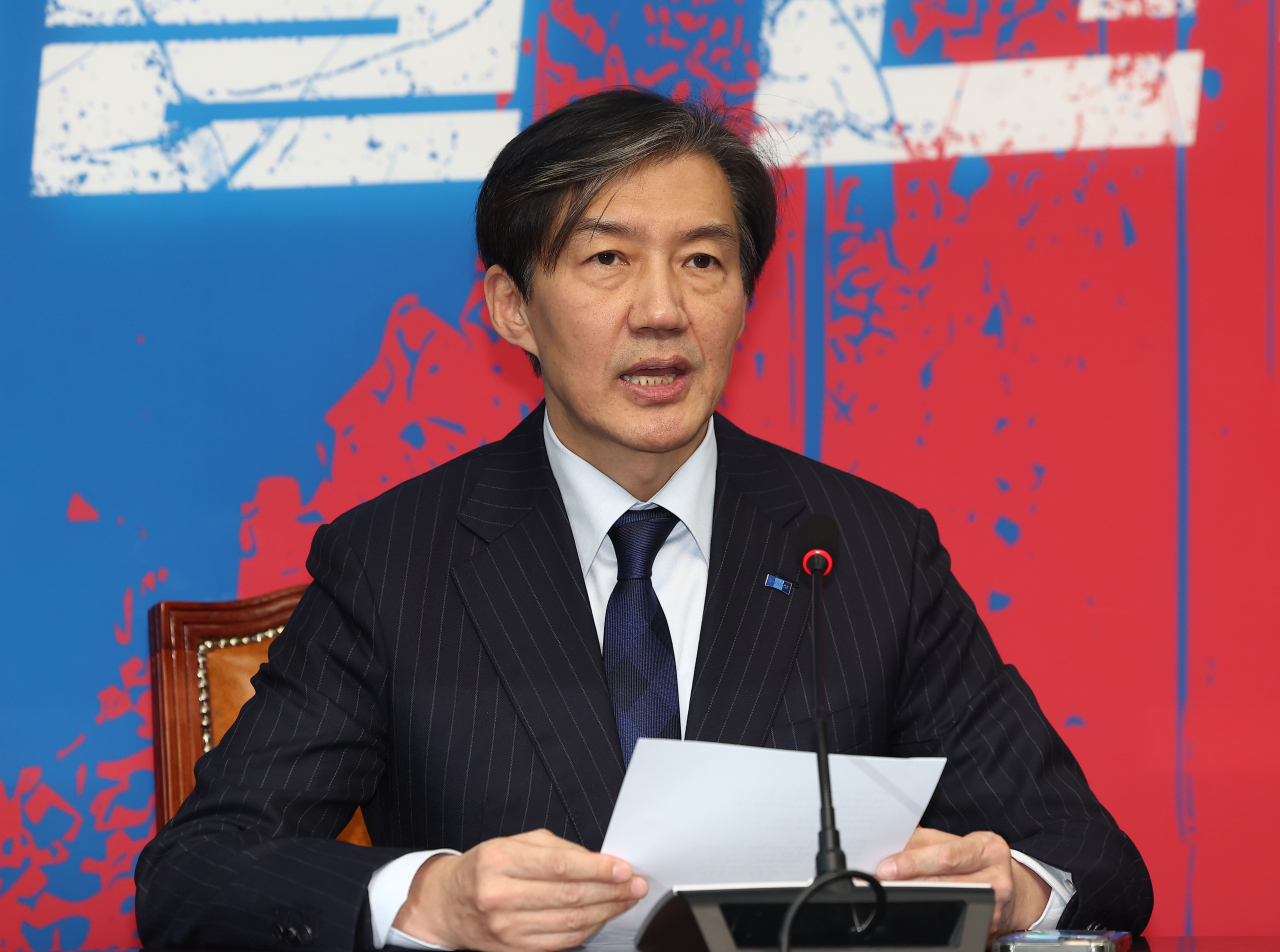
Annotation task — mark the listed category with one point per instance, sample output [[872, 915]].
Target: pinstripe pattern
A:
[[444, 672]]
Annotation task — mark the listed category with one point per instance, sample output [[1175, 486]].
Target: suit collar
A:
[[750, 633], [756, 469], [510, 480]]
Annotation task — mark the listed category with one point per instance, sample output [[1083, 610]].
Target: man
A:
[[483, 644]]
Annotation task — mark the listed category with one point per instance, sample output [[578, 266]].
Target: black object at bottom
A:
[[917, 918], [833, 925], [836, 886]]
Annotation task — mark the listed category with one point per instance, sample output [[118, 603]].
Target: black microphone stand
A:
[[830, 860], [830, 856]]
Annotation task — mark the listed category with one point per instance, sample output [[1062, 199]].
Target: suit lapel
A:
[[750, 633], [526, 596]]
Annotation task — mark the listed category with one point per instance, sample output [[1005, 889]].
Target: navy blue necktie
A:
[[638, 659]]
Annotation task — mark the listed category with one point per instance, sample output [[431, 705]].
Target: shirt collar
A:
[[594, 501]]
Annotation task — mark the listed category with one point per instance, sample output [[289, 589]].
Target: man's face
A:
[[636, 326]]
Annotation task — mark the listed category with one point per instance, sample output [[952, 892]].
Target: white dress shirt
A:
[[594, 502]]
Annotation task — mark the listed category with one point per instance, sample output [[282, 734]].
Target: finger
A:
[[588, 919], [948, 858], [543, 928], [523, 860], [533, 895], [921, 837], [927, 836], [552, 942], [544, 837], [556, 941]]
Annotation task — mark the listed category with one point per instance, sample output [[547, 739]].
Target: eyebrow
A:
[[712, 231]]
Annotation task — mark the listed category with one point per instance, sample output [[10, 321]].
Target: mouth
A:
[[650, 380], [661, 378]]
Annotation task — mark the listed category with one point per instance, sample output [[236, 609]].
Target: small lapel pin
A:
[[781, 584]]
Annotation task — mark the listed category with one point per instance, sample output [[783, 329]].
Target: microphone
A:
[[818, 543], [819, 539]]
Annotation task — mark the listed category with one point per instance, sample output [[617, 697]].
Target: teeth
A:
[[644, 381]]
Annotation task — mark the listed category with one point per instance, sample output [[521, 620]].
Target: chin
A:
[[664, 434]]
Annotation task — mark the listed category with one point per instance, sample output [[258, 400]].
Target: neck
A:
[[640, 472]]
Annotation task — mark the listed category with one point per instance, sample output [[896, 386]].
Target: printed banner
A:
[[1025, 277]]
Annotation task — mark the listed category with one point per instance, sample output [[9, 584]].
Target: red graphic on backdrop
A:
[[709, 56], [28, 855], [997, 31], [436, 389], [80, 511], [765, 395], [108, 912]]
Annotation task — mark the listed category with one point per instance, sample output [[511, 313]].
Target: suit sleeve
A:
[[1007, 769], [249, 860]]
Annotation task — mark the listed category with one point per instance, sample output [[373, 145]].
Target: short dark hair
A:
[[542, 181]]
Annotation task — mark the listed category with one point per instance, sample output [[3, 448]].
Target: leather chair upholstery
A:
[[202, 657]]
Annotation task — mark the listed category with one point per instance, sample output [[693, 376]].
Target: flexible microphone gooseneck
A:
[[818, 544]]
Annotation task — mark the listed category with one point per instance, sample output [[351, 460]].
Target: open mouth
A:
[[658, 379], [650, 379]]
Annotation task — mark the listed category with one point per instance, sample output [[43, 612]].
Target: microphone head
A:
[[818, 533]]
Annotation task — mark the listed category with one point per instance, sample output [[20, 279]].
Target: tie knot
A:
[[637, 536]]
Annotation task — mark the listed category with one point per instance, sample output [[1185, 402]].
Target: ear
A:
[[507, 311]]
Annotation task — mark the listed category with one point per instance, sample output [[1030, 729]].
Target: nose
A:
[[657, 305]]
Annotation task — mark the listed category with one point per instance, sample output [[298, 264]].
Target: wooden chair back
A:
[[202, 657]]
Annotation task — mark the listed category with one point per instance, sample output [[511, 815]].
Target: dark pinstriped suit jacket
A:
[[444, 672]]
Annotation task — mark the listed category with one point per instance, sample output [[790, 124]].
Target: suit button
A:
[[292, 936], [286, 935]]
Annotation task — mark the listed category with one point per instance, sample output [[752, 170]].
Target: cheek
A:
[[724, 330], [580, 338], [560, 327]]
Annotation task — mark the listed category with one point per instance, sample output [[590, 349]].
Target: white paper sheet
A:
[[691, 813]]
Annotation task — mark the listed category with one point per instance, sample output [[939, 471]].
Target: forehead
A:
[[674, 194]]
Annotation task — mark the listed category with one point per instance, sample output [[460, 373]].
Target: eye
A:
[[702, 262], [606, 257]]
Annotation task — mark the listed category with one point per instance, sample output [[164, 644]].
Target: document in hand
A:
[[691, 812]]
